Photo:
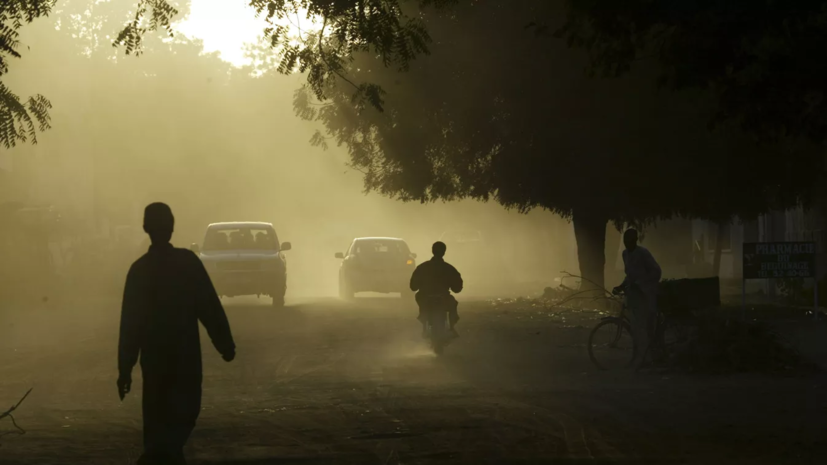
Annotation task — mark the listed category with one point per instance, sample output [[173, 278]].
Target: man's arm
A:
[[416, 279], [456, 281], [211, 312], [653, 271], [132, 325], [625, 282]]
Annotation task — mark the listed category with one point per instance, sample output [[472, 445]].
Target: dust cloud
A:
[[217, 143], [319, 378]]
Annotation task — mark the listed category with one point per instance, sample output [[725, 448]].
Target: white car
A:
[[245, 259], [376, 264]]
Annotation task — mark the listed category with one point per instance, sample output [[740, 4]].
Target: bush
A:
[[684, 296], [796, 292], [723, 345]]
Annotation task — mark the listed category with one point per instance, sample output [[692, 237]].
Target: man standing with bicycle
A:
[[641, 287]]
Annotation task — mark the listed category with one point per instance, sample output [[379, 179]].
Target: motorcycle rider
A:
[[436, 279]]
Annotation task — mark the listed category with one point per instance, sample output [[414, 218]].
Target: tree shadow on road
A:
[[359, 459], [342, 459], [284, 314]]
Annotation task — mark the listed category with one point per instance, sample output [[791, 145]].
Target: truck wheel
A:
[[278, 297], [345, 291]]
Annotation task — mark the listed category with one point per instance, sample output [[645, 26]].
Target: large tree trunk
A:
[[612, 246], [590, 233], [719, 240]]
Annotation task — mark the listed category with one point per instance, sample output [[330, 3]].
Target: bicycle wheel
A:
[[611, 345]]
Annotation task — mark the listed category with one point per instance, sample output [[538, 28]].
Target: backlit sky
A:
[[224, 26]]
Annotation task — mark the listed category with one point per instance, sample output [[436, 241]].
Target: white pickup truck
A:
[[245, 259]]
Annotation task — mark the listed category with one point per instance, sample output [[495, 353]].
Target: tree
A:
[[390, 29], [174, 113], [348, 26], [764, 62], [533, 133], [498, 114], [19, 121]]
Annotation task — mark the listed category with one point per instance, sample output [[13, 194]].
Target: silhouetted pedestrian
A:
[[641, 285], [167, 292]]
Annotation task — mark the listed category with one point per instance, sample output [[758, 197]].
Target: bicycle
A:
[[611, 342], [668, 334]]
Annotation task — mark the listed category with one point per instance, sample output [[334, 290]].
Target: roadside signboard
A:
[[780, 260]]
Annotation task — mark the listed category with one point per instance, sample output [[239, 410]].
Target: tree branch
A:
[[8, 413], [324, 59]]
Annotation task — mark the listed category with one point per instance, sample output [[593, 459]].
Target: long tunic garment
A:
[[642, 277], [167, 292]]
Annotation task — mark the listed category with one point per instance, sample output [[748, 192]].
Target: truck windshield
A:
[[240, 239]]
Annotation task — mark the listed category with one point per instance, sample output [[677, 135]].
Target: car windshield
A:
[[242, 238], [380, 248]]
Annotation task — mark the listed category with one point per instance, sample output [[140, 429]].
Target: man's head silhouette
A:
[[439, 249], [630, 238], [159, 222]]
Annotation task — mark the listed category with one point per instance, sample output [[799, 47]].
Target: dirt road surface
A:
[[328, 382]]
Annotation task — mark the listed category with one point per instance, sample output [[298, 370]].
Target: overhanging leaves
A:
[[19, 122], [390, 29], [763, 60], [498, 114]]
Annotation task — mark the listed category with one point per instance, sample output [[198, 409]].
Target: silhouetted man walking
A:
[[167, 292]]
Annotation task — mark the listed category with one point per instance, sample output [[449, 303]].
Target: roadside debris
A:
[[9, 413]]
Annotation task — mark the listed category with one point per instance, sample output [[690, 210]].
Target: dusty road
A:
[[327, 382]]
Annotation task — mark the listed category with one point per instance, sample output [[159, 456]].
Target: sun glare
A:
[[225, 26]]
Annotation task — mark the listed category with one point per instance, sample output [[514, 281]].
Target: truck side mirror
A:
[[340, 255], [286, 246], [413, 255], [194, 247]]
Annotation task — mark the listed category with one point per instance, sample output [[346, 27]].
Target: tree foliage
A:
[[764, 61], [391, 29], [150, 15], [19, 121], [506, 117], [497, 113], [13, 14]]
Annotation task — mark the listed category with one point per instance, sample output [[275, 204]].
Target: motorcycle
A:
[[435, 314]]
